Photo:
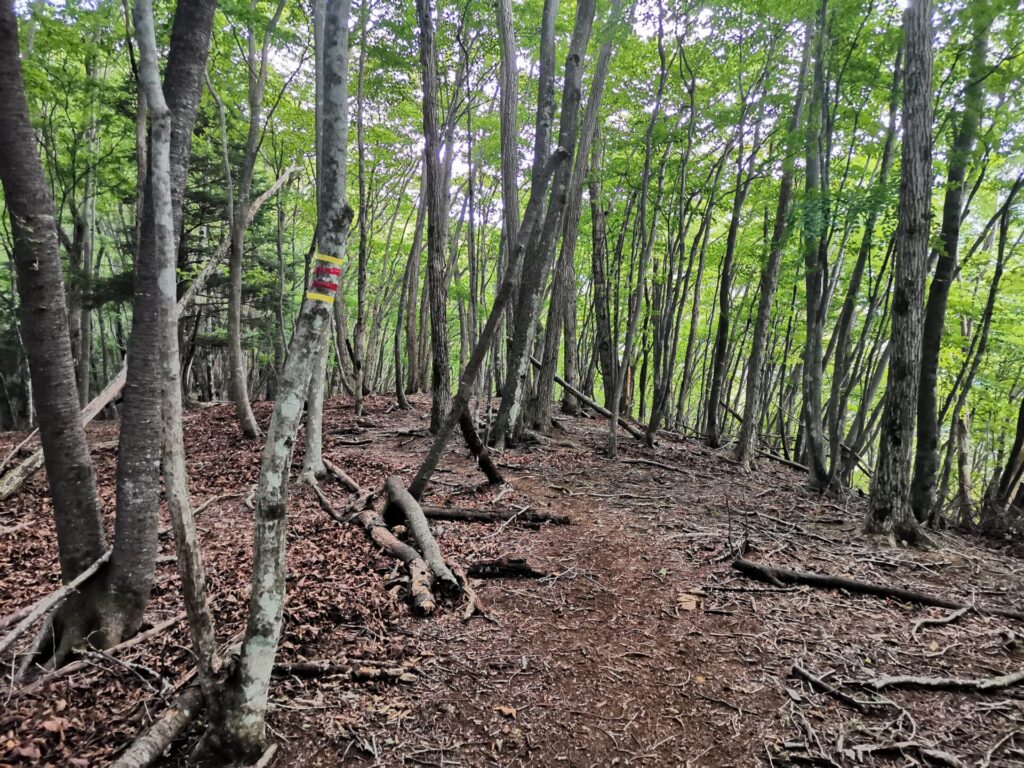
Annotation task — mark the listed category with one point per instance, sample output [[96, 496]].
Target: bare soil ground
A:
[[642, 647]]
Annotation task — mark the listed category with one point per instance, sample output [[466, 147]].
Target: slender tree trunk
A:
[[246, 694], [535, 268], [841, 336], [359, 342], [257, 71], [599, 259], [312, 458], [926, 458], [133, 562], [437, 221], [890, 508], [563, 294], [175, 477], [815, 271], [745, 447]]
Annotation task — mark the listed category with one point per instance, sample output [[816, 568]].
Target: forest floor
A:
[[641, 647]]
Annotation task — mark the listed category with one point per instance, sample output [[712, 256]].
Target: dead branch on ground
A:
[[782, 576]]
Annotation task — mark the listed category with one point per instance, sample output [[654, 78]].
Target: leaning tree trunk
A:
[[926, 457], [245, 701], [890, 508], [44, 329]]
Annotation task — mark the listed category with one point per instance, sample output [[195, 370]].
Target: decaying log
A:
[[958, 684], [476, 445], [637, 433], [505, 568], [381, 535], [151, 743], [780, 576], [494, 515], [400, 498], [51, 601]]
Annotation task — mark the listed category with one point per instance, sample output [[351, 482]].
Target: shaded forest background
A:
[[696, 125]]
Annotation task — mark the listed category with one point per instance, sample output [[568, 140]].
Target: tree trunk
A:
[[257, 71], [815, 270], [890, 508], [312, 458], [437, 221], [926, 458], [534, 272], [246, 694], [563, 294], [43, 319], [175, 477], [752, 410]]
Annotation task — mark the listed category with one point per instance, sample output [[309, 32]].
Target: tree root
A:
[[51, 602], [781, 576], [958, 684]]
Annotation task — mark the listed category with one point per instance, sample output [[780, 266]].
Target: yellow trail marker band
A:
[[320, 297], [331, 259]]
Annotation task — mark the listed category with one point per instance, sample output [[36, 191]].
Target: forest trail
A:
[[641, 647]]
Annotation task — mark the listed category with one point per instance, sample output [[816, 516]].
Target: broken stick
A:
[[637, 433]]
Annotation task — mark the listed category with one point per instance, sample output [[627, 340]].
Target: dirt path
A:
[[642, 647]]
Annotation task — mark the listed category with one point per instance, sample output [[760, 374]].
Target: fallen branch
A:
[[505, 567], [401, 499], [51, 601], [17, 449], [780, 576], [637, 433], [381, 535], [958, 684], [151, 743], [75, 666], [494, 515]]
